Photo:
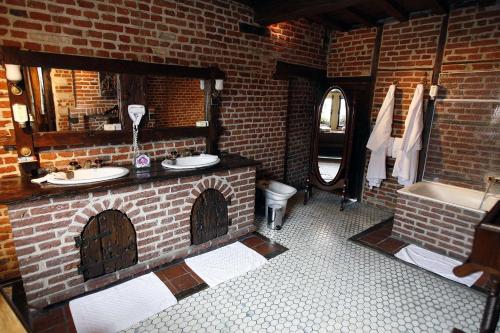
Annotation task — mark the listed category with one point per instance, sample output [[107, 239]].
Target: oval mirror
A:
[[332, 132]]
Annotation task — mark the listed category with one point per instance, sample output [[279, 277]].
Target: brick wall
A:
[[350, 53], [407, 55], [117, 154], [408, 52], [64, 96], [439, 227], [201, 33], [464, 139], [300, 117], [44, 230], [175, 101]]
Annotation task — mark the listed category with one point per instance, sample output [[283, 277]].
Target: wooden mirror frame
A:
[[27, 138], [315, 176], [341, 179]]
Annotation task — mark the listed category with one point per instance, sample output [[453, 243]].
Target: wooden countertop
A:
[[18, 189]]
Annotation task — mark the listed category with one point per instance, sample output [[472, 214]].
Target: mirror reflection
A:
[[174, 101], [332, 125], [77, 100]]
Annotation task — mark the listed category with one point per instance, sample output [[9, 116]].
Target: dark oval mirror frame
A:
[[340, 180], [25, 139], [321, 183]]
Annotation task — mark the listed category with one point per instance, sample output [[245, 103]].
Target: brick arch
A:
[[94, 207], [213, 182]]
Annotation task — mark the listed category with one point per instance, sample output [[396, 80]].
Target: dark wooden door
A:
[[108, 244], [209, 218]]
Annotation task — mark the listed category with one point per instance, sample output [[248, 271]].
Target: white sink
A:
[[192, 162], [85, 176]]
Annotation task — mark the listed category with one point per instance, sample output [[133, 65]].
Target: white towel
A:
[[379, 140], [225, 263], [406, 165], [436, 263], [395, 148], [119, 307]]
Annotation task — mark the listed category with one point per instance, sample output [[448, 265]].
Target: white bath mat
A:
[[436, 263], [121, 306], [225, 263]]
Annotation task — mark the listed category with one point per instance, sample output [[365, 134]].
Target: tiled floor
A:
[[326, 283]]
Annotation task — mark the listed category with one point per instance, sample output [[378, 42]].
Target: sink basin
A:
[[86, 176], [192, 162]]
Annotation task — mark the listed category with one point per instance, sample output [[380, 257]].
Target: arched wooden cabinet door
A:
[[209, 217], [339, 130], [107, 244]]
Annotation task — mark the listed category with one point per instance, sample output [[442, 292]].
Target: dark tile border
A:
[[356, 239]]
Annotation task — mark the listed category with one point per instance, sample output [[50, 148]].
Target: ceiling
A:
[[344, 15]]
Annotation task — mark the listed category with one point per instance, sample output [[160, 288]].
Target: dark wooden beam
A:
[[253, 29], [439, 6], [331, 23], [431, 104], [363, 19], [11, 55], [274, 11], [286, 71], [393, 9]]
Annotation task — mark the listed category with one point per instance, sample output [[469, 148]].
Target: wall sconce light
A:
[[433, 91], [14, 76], [202, 84], [219, 84], [20, 113]]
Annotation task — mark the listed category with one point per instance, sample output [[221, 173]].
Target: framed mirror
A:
[[332, 134], [331, 142], [69, 100], [62, 100]]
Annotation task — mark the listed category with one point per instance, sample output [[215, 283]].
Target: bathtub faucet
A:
[[491, 180], [494, 179]]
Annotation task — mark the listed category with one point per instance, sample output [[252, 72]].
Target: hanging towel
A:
[[395, 148], [379, 140], [406, 165]]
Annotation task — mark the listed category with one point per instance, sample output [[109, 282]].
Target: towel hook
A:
[[395, 82]]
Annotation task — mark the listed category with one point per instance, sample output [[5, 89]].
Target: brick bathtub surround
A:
[[436, 226], [160, 211]]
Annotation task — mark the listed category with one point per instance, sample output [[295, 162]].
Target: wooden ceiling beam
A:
[[439, 6], [331, 23], [274, 11], [393, 9], [360, 18]]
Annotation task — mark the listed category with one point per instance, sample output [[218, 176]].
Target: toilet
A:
[[276, 193]]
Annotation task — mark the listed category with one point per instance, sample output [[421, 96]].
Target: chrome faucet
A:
[[492, 180], [74, 165]]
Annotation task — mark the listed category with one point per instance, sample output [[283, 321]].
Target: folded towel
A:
[[54, 175], [40, 180]]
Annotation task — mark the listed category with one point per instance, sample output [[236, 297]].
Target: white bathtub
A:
[[440, 217], [452, 195]]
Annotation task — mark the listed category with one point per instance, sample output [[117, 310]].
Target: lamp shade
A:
[[13, 73], [219, 84]]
